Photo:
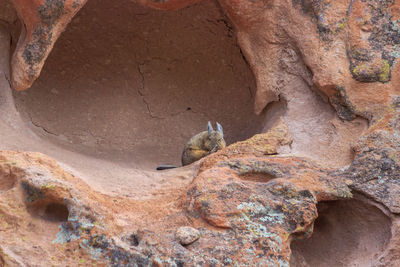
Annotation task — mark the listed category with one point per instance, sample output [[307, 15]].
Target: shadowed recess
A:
[[260, 177], [346, 233], [56, 212], [134, 239], [131, 84]]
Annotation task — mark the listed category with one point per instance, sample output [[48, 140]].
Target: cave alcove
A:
[[346, 233], [132, 84]]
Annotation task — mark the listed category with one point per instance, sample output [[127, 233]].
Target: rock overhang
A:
[[229, 192]]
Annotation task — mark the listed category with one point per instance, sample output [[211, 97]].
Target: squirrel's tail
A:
[[165, 167]]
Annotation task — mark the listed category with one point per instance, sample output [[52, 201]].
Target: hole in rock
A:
[[47, 215], [346, 233], [56, 212], [134, 240], [131, 84], [259, 177], [275, 110], [7, 180], [50, 211]]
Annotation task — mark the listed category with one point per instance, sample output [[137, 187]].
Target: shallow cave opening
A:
[[132, 84], [50, 211], [346, 233], [56, 212]]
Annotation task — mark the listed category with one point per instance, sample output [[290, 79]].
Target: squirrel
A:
[[201, 145]]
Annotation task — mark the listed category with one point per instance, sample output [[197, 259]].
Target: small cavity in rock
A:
[[134, 239], [257, 177], [56, 212], [346, 233]]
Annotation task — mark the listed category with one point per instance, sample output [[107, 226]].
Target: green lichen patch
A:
[[370, 71], [374, 62], [48, 187], [384, 74]]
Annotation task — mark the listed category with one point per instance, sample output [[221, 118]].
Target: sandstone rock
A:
[[187, 235], [43, 21], [328, 80]]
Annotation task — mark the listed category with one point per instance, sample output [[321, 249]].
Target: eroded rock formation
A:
[[318, 186]]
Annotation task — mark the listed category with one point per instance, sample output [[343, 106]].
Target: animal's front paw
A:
[[214, 149]]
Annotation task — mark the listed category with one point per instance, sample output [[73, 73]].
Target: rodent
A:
[[201, 145]]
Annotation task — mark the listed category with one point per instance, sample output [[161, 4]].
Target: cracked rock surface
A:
[[129, 83], [310, 179]]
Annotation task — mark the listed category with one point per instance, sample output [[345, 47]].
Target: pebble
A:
[[187, 235]]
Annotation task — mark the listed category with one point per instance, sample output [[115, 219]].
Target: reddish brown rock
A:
[[318, 187], [43, 22]]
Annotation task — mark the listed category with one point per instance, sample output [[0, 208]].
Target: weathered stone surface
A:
[[44, 21], [376, 166], [263, 201], [148, 89], [187, 235], [257, 199]]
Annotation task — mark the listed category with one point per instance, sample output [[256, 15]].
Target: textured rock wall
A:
[[257, 200], [175, 69]]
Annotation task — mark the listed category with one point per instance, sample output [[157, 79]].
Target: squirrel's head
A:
[[215, 139]]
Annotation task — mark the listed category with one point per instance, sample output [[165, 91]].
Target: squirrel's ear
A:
[[209, 127], [219, 128]]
